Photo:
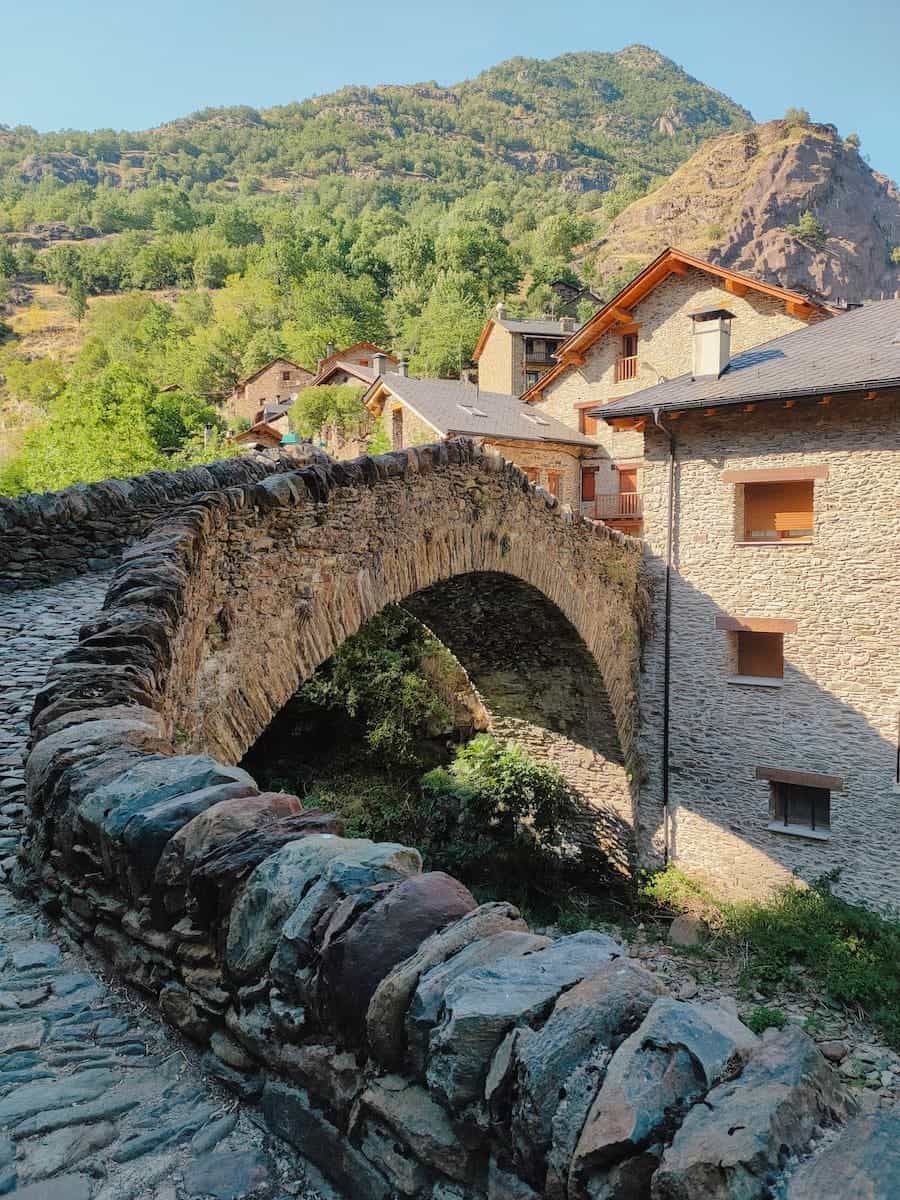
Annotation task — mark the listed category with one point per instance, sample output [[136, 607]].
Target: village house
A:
[[513, 355], [414, 412], [270, 387], [636, 340], [770, 693], [353, 364]]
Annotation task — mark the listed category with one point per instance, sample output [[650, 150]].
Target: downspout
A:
[[667, 633]]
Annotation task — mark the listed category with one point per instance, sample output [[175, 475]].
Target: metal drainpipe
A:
[[667, 631]]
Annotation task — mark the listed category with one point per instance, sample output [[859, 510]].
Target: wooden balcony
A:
[[626, 367], [618, 506]]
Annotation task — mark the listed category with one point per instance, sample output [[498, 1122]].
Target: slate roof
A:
[[451, 406], [851, 352], [363, 374], [535, 328]]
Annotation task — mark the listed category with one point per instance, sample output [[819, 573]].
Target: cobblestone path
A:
[[98, 1099]]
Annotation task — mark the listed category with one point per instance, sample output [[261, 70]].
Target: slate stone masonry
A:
[[408, 1040]]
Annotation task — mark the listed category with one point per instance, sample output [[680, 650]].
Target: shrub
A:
[[809, 229], [797, 116], [762, 1018], [496, 814], [848, 953], [895, 255]]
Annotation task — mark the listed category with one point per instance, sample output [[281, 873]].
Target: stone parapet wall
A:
[[408, 1040], [58, 535]]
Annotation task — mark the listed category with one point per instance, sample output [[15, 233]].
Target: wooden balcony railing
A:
[[625, 506], [626, 367]]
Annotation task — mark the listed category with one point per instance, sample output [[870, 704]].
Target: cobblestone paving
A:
[[98, 1099]]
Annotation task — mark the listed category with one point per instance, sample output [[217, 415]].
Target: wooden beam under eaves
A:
[[621, 315], [735, 287]]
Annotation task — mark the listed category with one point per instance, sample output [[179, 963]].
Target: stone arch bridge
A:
[[407, 1039]]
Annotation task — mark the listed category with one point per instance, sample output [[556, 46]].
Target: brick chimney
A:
[[711, 342]]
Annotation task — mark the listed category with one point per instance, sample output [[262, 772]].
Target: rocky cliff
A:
[[740, 199]]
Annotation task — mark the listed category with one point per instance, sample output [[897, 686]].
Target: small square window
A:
[[531, 474], [798, 808], [587, 424], [778, 511], [285, 374], [760, 655]]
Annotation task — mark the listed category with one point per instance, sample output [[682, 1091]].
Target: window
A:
[[588, 484], [781, 511], [553, 483], [531, 473], [630, 345], [760, 654], [285, 374], [586, 423], [397, 428], [799, 807], [531, 378]]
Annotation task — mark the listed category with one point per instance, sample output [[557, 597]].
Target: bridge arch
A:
[[540, 606]]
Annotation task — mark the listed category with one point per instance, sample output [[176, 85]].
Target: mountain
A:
[[789, 202], [580, 121]]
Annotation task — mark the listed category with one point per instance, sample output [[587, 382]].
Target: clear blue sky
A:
[[119, 63]]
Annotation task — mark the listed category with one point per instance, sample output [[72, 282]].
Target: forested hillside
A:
[[191, 254]]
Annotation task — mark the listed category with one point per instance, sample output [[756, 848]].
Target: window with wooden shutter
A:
[[553, 483], [760, 655], [532, 474], [588, 484], [587, 424], [778, 511]]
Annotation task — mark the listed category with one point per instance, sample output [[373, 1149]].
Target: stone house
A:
[[770, 690], [414, 412], [638, 339], [350, 365], [513, 355], [271, 386]]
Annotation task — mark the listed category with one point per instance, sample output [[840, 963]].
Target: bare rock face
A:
[[735, 201], [735, 1143]]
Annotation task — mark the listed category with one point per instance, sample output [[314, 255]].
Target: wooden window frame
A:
[[789, 525], [554, 477], [591, 473]]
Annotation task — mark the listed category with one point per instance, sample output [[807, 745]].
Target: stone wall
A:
[[58, 535], [836, 712], [408, 1040], [565, 460]]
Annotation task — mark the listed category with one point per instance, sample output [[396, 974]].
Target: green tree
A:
[[809, 229], [853, 141], [76, 300], [442, 338], [797, 116], [339, 406]]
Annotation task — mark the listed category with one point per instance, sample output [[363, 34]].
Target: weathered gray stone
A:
[[230, 1052], [65, 1148], [36, 954], [425, 1005], [687, 931], [217, 825], [736, 1141], [480, 1007], [63, 1187], [272, 892], [505, 1185], [386, 1017], [359, 864], [289, 1112], [589, 1021], [180, 1010], [40, 1097], [354, 963], [325, 1071], [863, 1163], [420, 1123], [226, 1176], [679, 1052], [21, 1035]]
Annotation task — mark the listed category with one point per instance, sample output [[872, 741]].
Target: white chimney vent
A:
[[568, 324], [403, 368], [500, 311], [711, 342]]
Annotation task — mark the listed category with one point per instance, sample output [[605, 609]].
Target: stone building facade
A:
[[275, 383], [790, 767], [513, 355], [640, 338]]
